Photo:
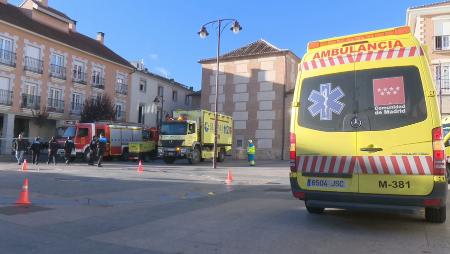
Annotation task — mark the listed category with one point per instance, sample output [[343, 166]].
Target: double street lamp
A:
[[203, 33]]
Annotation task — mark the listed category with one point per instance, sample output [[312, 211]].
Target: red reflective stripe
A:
[[314, 65], [314, 162], [369, 55], [305, 66], [322, 165], [322, 62], [407, 165], [332, 164], [379, 54], [384, 165], [401, 52], [352, 165], [419, 165], [340, 59], [362, 164], [341, 166], [430, 164], [412, 51], [358, 57], [305, 163], [396, 166], [421, 51], [350, 58], [297, 161], [373, 166], [332, 63], [390, 54]]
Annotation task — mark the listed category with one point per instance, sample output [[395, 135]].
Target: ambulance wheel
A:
[[221, 156], [314, 209], [435, 215], [169, 160]]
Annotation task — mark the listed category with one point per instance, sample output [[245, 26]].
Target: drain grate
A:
[[16, 210], [278, 190]]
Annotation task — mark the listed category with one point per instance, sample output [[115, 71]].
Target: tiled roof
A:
[[259, 47], [14, 15], [50, 9], [429, 5]]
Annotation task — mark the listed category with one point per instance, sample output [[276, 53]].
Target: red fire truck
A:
[[118, 136]]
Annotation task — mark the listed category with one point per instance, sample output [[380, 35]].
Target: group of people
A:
[[97, 148]]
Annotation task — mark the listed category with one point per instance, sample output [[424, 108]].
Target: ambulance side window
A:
[[82, 132], [191, 128]]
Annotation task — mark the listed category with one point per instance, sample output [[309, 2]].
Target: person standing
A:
[[52, 149], [101, 147], [20, 146], [35, 148], [68, 147], [92, 150], [251, 152]]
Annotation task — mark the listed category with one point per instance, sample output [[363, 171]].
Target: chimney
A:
[[43, 2], [73, 26], [101, 37]]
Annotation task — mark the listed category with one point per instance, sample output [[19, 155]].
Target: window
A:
[[54, 98], [57, 68], [77, 102], [191, 128], [4, 84], [83, 132], [141, 111], [239, 142], [442, 33], [187, 100], [57, 60], [161, 91], [174, 96], [33, 52], [143, 85], [119, 111], [97, 76], [5, 93], [442, 77], [5, 48], [78, 71], [30, 89]]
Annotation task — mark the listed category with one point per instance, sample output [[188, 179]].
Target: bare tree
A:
[[98, 109]]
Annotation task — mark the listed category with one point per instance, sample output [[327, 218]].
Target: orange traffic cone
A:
[[25, 165], [140, 168], [229, 177], [23, 198]]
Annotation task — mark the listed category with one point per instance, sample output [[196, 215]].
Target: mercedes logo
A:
[[355, 122]]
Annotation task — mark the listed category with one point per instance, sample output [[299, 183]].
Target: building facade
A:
[[255, 82], [47, 68], [431, 26], [152, 96]]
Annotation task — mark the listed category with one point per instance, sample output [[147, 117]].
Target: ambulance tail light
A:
[[438, 152], [292, 152]]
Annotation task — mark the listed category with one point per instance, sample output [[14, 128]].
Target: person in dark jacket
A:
[[68, 147], [35, 148], [52, 149], [20, 146], [92, 150], [101, 147]]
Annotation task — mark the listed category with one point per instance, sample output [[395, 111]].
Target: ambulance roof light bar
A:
[[395, 31]]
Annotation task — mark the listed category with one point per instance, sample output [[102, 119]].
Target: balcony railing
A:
[[79, 77], [31, 101], [34, 65], [121, 88], [442, 42], [76, 108], [55, 105], [98, 82], [120, 116], [6, 97], [7, 58], [57, 71], [443, 85]]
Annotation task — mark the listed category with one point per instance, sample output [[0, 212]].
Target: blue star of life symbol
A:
[[326, 102]]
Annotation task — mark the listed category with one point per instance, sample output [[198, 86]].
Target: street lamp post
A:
[[157, 100], [236, 28]]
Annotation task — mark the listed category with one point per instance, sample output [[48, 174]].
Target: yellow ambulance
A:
[[366, 130]]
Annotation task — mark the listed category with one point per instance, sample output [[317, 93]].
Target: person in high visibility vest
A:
[[251, 151]]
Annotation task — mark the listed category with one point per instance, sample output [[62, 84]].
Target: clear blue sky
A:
[[164, 33]]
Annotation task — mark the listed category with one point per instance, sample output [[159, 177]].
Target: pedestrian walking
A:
[[68, 147], [92, 150], [52, 149], [20, 146], [251, 152], [101, 147], [35, 148]]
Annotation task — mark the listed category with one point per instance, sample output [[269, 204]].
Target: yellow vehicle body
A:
[[363, 118], [141, 150]]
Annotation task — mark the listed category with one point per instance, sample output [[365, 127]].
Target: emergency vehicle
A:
[[145, 149], [366, 129], [118, 137], [446, 129], [189, 134]]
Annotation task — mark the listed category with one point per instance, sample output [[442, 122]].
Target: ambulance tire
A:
[[435, 215], [169, 160], [314, 209]]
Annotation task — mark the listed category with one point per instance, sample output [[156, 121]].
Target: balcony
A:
[[76, 108], [122, 88], [34, 65], [442, 85], [120, 116], [6, 97], [57, 71], [98, 82], [79, 77], [7, 58], [55, 105], [31, 101]]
